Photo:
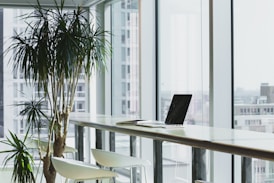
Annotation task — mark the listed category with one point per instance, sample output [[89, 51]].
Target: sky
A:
[[253, 43]]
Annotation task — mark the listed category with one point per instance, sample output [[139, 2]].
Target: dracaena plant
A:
[[22, 159], [57, 46]]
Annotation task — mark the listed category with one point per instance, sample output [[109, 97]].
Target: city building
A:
[[257, 115]]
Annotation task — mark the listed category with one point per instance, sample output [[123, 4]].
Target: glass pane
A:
[[125, 68], [253, 74], [14, 89], [1, 78], [183, 69], [125, 58]]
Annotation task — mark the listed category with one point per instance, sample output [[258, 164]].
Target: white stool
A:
[[115, 160], [43, 144], [35, 143], [80, 171]]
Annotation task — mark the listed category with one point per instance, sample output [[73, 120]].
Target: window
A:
[[124, 65], [123, 36], [128, 34], [79, 88], [124, 76], [15, 90], [183, 68], [123, 19], [253, 73], [123, 54], [123, 72], [128, 51], [80, 106], [123, 4]]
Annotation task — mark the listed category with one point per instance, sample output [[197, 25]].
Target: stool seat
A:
[[115, 160], [79, 171], [43, 144], [112, 159]]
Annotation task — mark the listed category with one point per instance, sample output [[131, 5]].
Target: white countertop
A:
[[240, 142]]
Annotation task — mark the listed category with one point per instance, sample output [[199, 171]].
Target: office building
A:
[[255, 113]]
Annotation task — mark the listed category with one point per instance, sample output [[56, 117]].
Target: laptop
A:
[[176, 113]]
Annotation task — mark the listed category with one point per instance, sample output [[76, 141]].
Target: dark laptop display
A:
[[176, 113], [178, 109]]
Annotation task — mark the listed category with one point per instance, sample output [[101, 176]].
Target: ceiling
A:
[[68, 3]]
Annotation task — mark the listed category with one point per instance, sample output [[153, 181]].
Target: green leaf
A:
[[23, 160]]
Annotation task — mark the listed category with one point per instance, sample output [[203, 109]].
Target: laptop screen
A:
[[178, 109]]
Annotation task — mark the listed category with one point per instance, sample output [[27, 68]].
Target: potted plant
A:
[[58, 45]]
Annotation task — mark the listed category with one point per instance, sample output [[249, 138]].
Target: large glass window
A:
[[1, 78], [125, 67], [14, 90], [183, 69], [125, 58], [253, 74]]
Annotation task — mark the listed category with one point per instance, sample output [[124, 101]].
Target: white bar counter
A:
[[240, 142]]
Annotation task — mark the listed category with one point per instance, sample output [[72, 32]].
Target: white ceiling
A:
[[68, 3]]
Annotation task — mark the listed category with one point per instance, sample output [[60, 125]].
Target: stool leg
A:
[[42, 174], [38, 170], [145, 173], [131, 178]]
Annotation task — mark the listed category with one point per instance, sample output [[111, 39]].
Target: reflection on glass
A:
[[253, 74], [183, 69], [125, 58], [13, 87], [21, 91], [1, 78], [182, 55], [125, 65]]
